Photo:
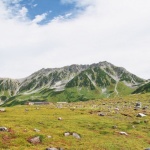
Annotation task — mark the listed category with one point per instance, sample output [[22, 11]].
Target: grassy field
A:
[[97, 132]]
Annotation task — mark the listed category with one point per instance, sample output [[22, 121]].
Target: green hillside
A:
[[143, 89]]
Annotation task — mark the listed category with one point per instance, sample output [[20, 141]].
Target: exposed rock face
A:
[[103, 77]]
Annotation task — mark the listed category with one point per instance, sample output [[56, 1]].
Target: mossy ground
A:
[[80, 117]]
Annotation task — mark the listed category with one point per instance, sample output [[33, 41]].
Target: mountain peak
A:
[[74, 82]]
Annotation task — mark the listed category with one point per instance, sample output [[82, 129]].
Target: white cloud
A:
[[117, 31], [23, 12], [39, 18], [35, 5]]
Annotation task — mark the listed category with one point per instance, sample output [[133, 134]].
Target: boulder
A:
[[141, 115], [3, 129], [2, 109], [147, 149], [34, 140], [59, 118], [138, 105], [123, 133], [76, 135], [67, 133]]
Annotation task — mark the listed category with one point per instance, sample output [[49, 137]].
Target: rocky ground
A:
[[108, 124]]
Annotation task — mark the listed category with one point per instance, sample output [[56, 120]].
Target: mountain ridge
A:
[[74, 82]]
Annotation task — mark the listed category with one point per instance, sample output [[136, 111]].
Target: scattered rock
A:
[[34, 140], [101, 114], [117, 109], [141, 115], [138, 105], [49, 136], [36, 130], [53, 148], [128, 115], [123, 133], [67, 133], [3, 129], [76, 135], [59, 118], [2, 109], [114, 127], [146, 107], [25, 130]]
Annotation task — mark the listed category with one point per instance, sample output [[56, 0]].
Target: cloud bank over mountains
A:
[[96, 30]]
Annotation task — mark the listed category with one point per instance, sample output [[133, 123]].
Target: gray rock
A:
[[76, 135], [67, 133], [101, 114], [141, 115], [147, 149], [3, 129], [53, 148], [138, 105], [35, 140]]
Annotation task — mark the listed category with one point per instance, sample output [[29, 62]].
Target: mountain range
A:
[[71, 83]]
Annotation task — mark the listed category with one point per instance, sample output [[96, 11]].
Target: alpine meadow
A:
[[74, 75]]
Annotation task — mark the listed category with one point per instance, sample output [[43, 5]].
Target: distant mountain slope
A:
[[8, 88], [143, 89], [72, 83]]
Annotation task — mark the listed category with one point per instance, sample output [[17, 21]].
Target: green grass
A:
[[80, 117]]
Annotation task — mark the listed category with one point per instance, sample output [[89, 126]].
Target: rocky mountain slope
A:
[[71, 83], [145, 88]]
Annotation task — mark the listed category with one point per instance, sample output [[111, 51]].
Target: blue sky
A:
[[51, 9], [55, 33]]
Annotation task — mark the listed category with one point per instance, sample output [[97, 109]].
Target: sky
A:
[[36, 34]]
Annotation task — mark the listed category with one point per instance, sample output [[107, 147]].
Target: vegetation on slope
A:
[[143, 89], [82, 118]]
